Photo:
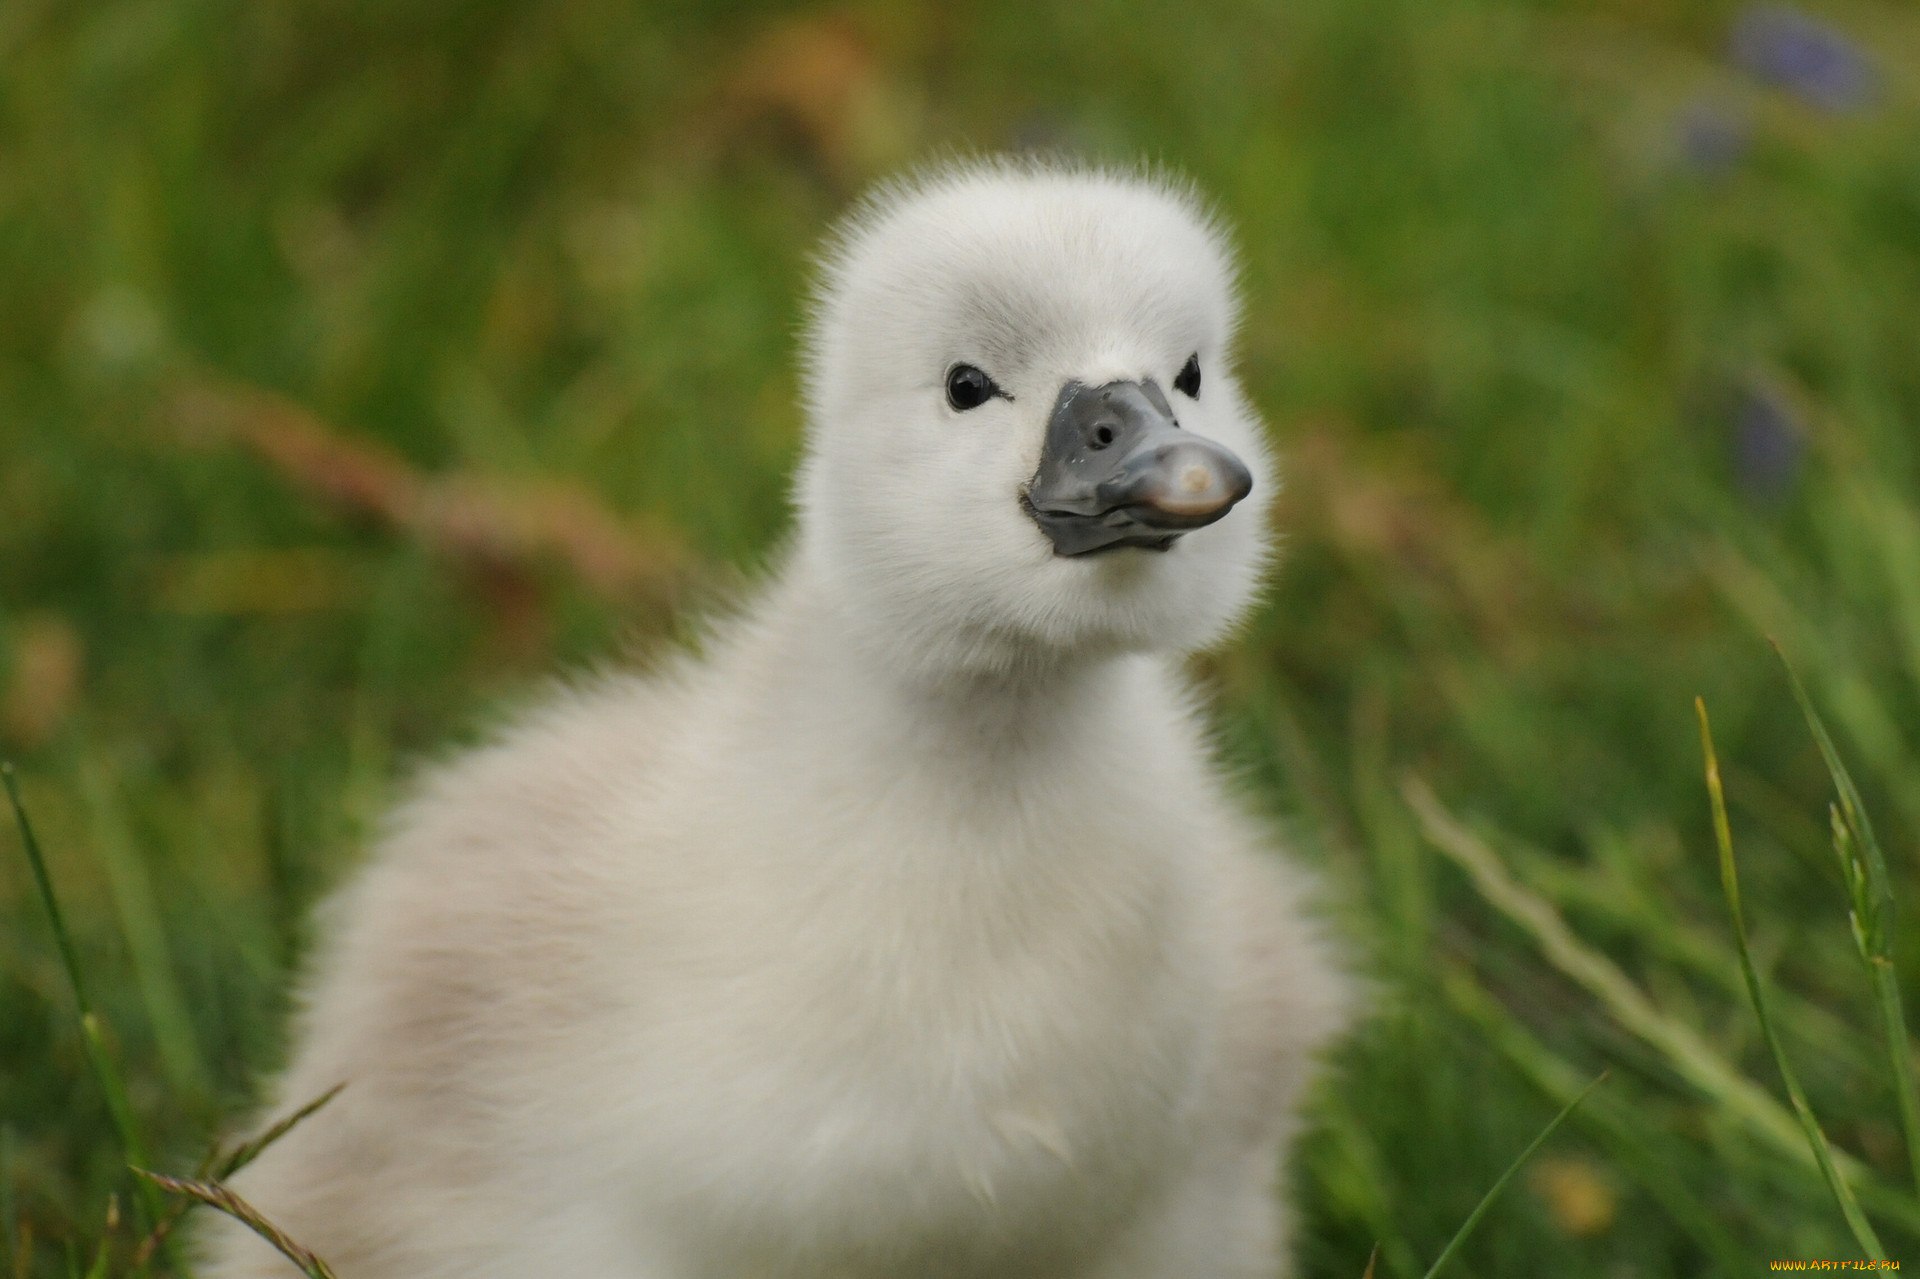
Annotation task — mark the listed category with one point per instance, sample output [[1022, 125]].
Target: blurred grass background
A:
[[361, 364]]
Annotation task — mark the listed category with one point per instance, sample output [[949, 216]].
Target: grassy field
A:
[[360, 365]]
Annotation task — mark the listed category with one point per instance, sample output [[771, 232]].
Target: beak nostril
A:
[[1116, 470]]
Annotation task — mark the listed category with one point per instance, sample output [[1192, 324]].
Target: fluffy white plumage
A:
[[908, 932]]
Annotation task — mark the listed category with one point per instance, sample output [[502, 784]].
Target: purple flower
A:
[[1769, 444], [1713, 136], [1806, 57]]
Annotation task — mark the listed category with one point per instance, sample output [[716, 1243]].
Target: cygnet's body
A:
[[910, 932]]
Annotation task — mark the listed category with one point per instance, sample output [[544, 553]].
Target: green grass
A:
[[1505, 336], [1817, 1144]]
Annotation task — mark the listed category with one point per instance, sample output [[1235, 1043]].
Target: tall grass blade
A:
[[1493, 1192], [215, 1195], [103, 1255], [1864, 868], [1685, 1048], [1360, 1186], [1730, 884], [98, 1059], [112, 839], [1624, 1134], [1694, 1058], [219, 1165], [248, 1151]]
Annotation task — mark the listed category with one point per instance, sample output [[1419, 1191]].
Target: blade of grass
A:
[[1684, 1048], [1730, 884], [1850, 688], [98, 1059], [1873, 863], [103, 1255], [215, 1195], [1624, 1135], [1690, 1054], [1360, 1186], [134, 901], [1864, 867], [1493, 1192], [219, 1166], [248, 1151]]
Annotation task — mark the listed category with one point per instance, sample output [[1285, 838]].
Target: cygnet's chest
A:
[[949, 1043]]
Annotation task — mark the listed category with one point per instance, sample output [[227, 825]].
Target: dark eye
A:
[[969, 388], [1188, 382]]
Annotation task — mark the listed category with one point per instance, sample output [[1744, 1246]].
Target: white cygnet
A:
[[909, 931]]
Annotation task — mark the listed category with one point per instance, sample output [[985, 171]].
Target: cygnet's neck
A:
[[813, 664]]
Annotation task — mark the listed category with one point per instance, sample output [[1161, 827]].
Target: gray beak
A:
[[1117, 470]]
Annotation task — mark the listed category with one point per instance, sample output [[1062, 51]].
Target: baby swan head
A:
[[1026, 445]]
